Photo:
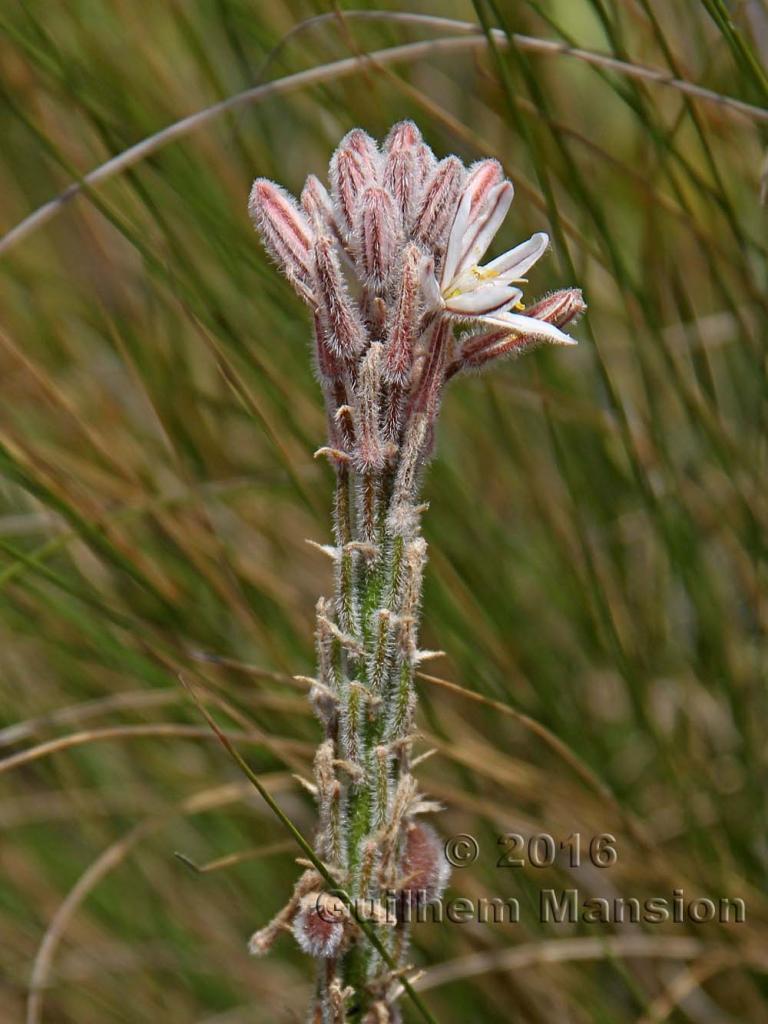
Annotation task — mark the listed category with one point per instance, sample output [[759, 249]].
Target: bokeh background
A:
[[597, 520]]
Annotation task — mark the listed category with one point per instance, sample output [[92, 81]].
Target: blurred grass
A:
[[597, 522]]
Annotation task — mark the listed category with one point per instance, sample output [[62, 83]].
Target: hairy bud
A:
[[317, 205], [430, 385], [403, 332], [338, 316], [424, 866], [404, 168], [284, 230], [354, 166], [440, 198], [403, 137], [476, 344], [484, 348], [369, 450], [319, 924], [377, 237], [559, 308], [398, 356], [426, 162]]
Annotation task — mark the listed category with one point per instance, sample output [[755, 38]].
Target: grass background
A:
[[596, 530]]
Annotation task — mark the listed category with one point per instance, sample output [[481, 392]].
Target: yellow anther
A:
[[484, 275], [519, 305]]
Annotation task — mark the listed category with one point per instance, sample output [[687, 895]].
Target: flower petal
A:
[[512, 265], [455, 240], [482, 230], [485, 299], [520, 324], [481, 178]]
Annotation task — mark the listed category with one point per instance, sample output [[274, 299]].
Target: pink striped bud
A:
[[365, 150], [484, 348], [427, 397], [284, 230], [377, 237], [559, 308], [346, 184], [403, 171], [340, 319], [426, 162], [403, 136], [317, 205], [481, 178], [319, 924], [369, 450], [354, 167], [398, 355], [476, 343], [404, 329], [401, 181], [438, 203]]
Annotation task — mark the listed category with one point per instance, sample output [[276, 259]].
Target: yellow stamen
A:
[[519, 305], [484, 275]]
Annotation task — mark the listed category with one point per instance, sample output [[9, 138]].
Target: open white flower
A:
[[487, 294]]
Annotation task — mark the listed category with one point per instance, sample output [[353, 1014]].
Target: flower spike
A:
[[389, 260]]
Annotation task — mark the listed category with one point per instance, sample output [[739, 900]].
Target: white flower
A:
[[486, 294]]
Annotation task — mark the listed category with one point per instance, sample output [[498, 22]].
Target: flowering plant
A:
[[388, 262]]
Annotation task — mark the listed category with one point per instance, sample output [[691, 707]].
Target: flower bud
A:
[[403, 136], [475, 344], [377, 237], [425, 870], [284, 230], [403, 168], [398, 354], [559, 308], [426, 162], [342, 326], [495, 345], [319, 924], [438, 203], [428, 391], [354, 167], [369, 450], [317, 205]]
